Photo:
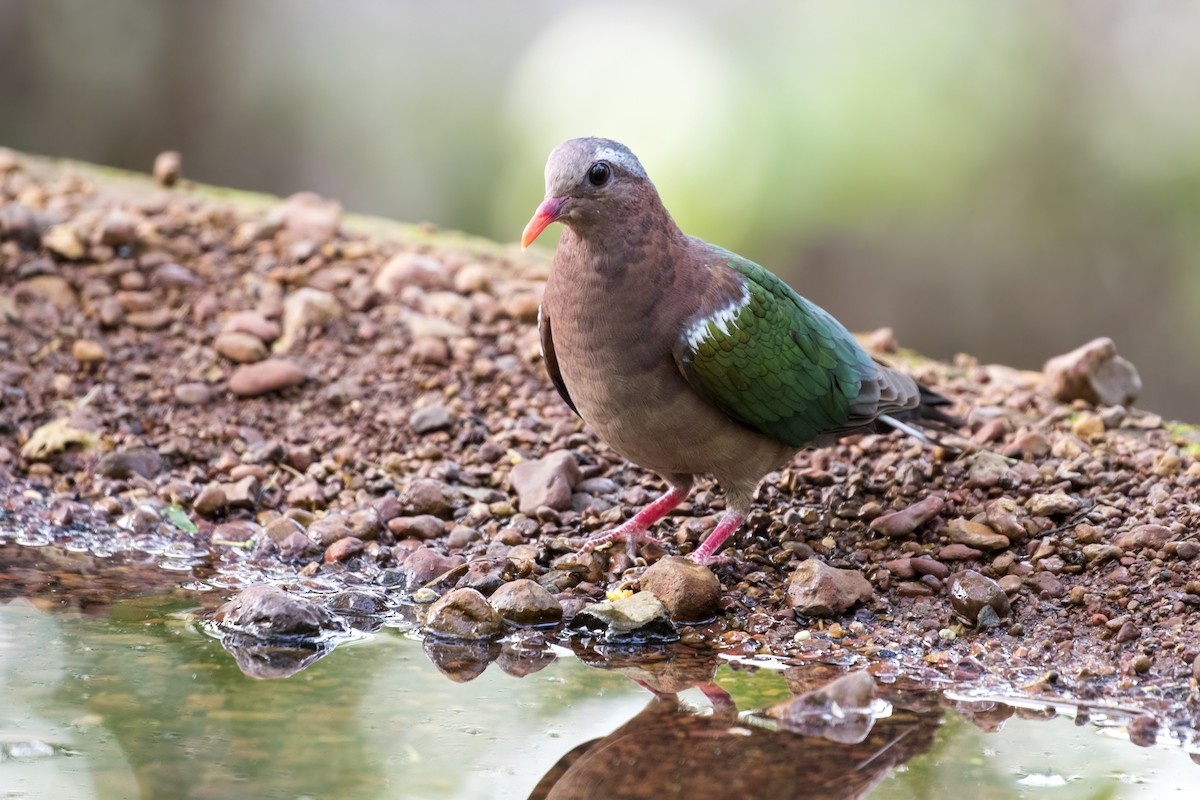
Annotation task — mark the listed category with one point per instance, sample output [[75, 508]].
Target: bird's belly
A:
[[656, 420]]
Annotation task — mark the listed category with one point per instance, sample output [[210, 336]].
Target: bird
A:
[[686, 358]]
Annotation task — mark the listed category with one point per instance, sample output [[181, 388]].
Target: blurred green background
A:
[[1005, 179]]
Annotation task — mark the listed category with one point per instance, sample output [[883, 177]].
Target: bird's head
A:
[[589, 181]]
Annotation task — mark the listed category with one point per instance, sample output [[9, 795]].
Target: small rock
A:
[[1089, 427], [425, 564], [987, 469], [358, 602], [253, 323], [1046, 585], [1052, 505], [409, 269], [211, 501], [240, 347], [1187, 550], [267, 611], [87, 351], [153, 320], [343, 549], [690, 591], [305, 309], [1004, 517], [1100, 553], [52, 288], [1128, 632], [193, 394], [464, 614], [174, 276], [330, 528], [117, 229], [1143, 536], [546, 481], [1030, 443], [1094, 373], [122, 465], [296, 546], [436, 417], [427, 496], [271, 375], [639, 617], [524, 602], [64, 240], [168, 166], [307, 217], [927, 565], [424, 526], [907, 520], [244, 493], [970, 592], [975, 534], [959, 552], [486, 575], [819, 590]]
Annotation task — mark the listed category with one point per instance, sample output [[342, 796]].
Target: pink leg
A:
[[729, 523], [634, 530]]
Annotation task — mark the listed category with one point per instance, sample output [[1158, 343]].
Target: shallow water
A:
[[140, 701]]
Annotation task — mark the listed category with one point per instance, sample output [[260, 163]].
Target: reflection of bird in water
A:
[[668, 751]]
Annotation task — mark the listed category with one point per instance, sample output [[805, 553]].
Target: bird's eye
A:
[[599, 173]]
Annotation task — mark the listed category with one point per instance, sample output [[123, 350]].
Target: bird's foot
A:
[[634, 531], [631, 534], [706, 553]]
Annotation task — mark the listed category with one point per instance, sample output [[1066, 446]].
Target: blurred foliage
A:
[[1008, 180]]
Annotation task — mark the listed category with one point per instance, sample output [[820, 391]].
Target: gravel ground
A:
[[261, 390]]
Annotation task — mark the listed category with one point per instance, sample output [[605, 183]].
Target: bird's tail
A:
[[928, 415]]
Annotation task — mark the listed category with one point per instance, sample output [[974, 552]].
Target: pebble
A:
[[819, 590], [690, 591], [168, 166], [267, 611], [987, 469], [975, 534], [930, 566], [174, 276], [970, 592], [192, 394], [124, 464], [424, 564], [435, 417], [907, 520], [1152, 537], [240, 347], [524, 602], [1011, 584], [1046, 584], [409, 269], [87, 351], [271, 375], [343, 549], [154, 320], [463, 614], [210, 502], [253, 323], [546, 481], [959, 552], [303, 310], [639, 617], [427, 496], [1052, 505], [65, 241], [1004, 517], [1093, 373], [423, 526]]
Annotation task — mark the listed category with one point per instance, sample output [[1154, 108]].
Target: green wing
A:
[[778, 362]]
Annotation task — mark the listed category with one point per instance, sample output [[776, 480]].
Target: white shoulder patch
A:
[[724, 320]]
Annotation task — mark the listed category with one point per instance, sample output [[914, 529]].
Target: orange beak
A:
[[547, 212]]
